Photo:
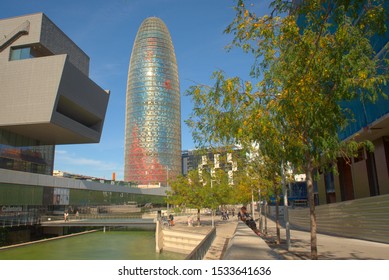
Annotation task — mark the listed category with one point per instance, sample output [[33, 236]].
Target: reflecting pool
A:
[[112, 245]]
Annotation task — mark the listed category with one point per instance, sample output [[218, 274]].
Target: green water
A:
[[113, 245]]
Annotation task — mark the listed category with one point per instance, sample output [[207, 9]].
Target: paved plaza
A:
[[235, 241]]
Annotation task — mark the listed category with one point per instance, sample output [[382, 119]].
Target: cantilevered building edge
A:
[[47, 98], [153, 113], [46, 93]]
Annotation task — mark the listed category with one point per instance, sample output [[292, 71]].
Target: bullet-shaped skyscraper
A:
[[153, 113]]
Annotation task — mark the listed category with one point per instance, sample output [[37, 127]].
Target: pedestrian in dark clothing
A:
[[248, 220]]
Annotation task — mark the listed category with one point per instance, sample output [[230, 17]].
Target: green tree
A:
[[265, 172], [308, 58], [231, 112], [201, 191], [187, 192]]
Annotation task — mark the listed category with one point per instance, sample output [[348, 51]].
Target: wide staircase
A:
[[181, 242]]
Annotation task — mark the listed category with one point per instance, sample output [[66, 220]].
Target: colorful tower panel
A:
[[153, 114]]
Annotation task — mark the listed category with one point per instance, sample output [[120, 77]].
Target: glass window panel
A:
[[20, 53], [15, 54]]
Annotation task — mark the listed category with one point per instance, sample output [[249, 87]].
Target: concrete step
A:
[[182, 234], [174, 240], [175, 249], [181, 246], [181, 242]]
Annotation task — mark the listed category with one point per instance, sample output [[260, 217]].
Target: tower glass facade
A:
[[153, 117]]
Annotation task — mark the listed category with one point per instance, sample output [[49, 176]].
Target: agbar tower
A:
[[153, 113]]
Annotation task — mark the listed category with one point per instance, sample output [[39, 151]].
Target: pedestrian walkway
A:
[[234, 240], [329, 247], [246, 245], [225, 230]]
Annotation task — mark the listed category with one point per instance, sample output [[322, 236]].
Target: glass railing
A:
[[19, 219]]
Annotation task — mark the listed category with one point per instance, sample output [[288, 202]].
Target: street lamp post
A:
[[167, 176], [212, 218]]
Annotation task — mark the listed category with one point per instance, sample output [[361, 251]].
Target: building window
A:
[[329, 182], [21, 53], [330, 187], [372, 174], [30, 51]]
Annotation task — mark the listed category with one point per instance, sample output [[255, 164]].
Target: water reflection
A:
[[113, 245]]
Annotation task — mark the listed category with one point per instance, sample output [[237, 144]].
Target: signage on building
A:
[[11, 209]]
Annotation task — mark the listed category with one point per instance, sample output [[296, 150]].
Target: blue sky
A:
[[106, 31]]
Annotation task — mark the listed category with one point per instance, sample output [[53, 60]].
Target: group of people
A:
[[225, 213], [168, 220], [66, 216]]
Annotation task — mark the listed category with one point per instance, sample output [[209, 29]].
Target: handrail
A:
[[135, 215], [20, 219], [199, 252]]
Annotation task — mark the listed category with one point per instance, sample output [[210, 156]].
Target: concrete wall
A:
[[360, 179], [58, 42], [58, 231], [321, 190], [158, 237], [19, 236], [381, 165], [181, 241], [43, 31], [337, 189], [8, 25], [50, 97], [365, 218], [24, 178], [23, 89]]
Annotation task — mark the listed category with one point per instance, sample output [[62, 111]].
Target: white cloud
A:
[[72, 163]]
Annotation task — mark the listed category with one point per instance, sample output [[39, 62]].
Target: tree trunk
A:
[[198, 217], [312, 214], [252, 205], [278, 240], [260, 212], [286, 210], [265, 231]]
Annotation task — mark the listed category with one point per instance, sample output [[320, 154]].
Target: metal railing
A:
[[24, 219], [33, 218], [73, 217]]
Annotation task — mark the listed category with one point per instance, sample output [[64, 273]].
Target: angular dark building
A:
[[153, 114]]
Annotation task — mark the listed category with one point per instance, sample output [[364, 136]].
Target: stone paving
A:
[[329, 247]]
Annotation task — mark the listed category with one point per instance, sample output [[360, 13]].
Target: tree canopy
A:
[[308, 58]]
